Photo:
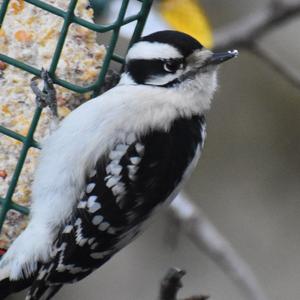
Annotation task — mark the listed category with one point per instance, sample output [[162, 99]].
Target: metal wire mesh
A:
[[69, 18]]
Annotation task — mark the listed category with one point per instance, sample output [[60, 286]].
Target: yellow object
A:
[[189, 17]]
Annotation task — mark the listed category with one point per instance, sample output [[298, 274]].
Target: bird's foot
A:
[[46, 96]]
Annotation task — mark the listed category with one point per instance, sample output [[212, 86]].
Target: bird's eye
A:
[[172, 66]]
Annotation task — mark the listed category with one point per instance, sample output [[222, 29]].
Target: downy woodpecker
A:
[[111, 162]]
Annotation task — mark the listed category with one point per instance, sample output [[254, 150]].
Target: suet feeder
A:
[[69, 17]]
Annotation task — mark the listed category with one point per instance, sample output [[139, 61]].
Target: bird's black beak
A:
[[220, 57], [213, 60]]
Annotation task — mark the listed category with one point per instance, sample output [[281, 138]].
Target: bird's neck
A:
[[192, 97]]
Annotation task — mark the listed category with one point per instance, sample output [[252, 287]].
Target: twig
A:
[[171, 284], [247, 32], [205, 236]]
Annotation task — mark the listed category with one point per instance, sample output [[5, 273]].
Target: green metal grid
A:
[[69, 18]]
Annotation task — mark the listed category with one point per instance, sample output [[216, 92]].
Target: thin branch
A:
[[171, 284], [206, 237], [245, 32]]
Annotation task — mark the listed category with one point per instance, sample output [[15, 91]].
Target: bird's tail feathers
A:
[[4, 288], [8, 286], [41, 291]]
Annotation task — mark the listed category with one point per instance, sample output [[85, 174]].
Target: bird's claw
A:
[[174, 275], [46, 96], [171, 284]]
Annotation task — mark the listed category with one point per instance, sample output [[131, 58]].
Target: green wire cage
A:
[[69, 17]]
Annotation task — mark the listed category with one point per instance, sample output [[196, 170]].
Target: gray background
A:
[[247, 182]]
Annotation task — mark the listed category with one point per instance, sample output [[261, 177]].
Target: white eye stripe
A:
[[152, 50]]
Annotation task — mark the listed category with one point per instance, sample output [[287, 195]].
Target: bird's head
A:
[[173, 59]]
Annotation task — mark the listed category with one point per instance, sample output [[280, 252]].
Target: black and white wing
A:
[[121, 192]]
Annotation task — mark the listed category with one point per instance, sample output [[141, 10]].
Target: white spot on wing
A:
[[116, 155], [91, 240], [78, 222], [135, 160], [42, 274], [114, 168], [111, 230], [132, 169], [119, 198], [99, 255], [61, 268], [118, 189], [97, 220], [82, 241], [93, 247], [139, 148], [132, 177], [122, 147], [68, 229], [81, 204], [75, 270], [113, 181], [91, 200], [132, 172], [90, 187], [103, 226], [94, 207]]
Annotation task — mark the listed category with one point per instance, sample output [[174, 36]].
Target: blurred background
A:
[[247, 181]]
